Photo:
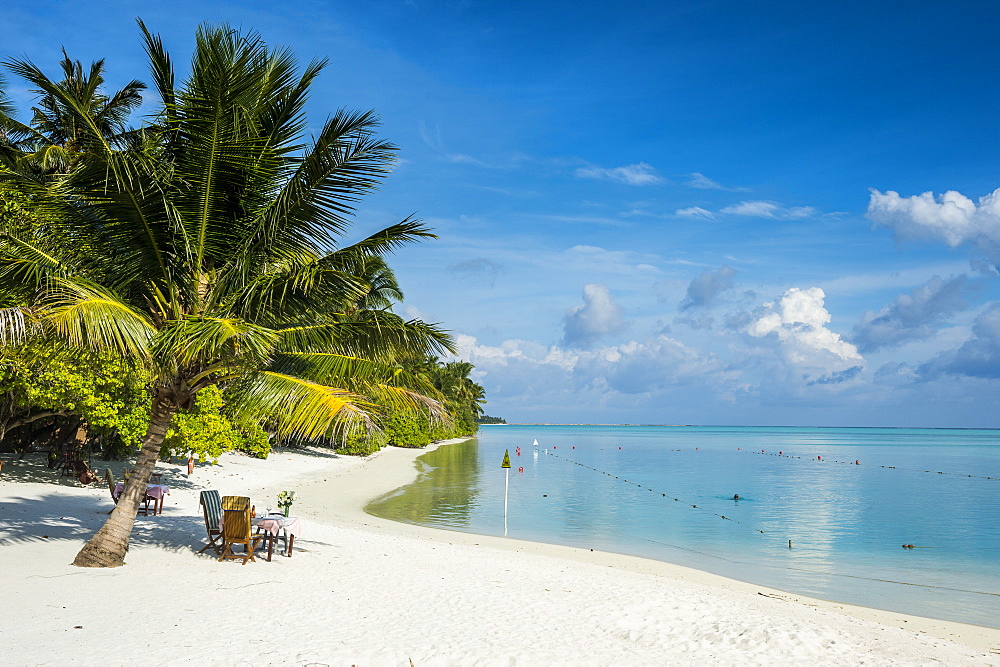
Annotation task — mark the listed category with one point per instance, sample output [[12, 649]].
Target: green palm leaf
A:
[[299, 407], [200, 342], [88, 315]]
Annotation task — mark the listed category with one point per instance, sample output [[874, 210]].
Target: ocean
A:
[[823, 512]]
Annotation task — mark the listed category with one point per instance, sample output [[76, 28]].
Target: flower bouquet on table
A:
[[285, 500]]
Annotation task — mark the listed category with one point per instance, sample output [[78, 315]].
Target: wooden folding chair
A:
[[236, 529], [211, 506]]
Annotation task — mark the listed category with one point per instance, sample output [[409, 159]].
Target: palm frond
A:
[[290, 289], [377, 335], [162, 70], [119, 183], [298, 407], [15, 325], [24, 265], [410, 230], [403, 399], [198, 341], [344, 163], [90, 316]]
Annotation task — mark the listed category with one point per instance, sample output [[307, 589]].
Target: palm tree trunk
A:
[[108, 546]]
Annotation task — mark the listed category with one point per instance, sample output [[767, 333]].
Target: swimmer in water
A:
[[736, 496]]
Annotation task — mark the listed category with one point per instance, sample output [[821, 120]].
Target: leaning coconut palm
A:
[[206, 250]]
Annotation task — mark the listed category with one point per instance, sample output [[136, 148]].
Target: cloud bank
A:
[[978, 357], [910, 316], [951, 218]]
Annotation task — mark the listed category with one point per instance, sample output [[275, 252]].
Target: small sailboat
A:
[[535, 443]]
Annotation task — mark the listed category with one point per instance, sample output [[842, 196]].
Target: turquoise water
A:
[[666, 492]]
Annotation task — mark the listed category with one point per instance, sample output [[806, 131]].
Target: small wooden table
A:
[[274, 524], [155, 491]]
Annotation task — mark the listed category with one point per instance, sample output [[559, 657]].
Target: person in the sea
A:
[[736, 496]]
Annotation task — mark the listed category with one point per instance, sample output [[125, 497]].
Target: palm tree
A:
[[206, 248], [55, 138]]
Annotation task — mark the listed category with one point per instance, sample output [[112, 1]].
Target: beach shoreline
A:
[[397, 468], [396, 592]]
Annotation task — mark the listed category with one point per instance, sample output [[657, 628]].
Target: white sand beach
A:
[[365, 591]]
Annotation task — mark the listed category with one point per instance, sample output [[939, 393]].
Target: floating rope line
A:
[[622, 479], [605, 529], [741, 562], [892, 581], [780, 455]]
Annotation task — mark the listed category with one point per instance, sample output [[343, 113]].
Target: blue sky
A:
[[662, 212]]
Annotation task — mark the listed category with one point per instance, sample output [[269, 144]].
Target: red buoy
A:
[[762, 451], [521, 469], [780, 453], [819, 458], [857, 463]]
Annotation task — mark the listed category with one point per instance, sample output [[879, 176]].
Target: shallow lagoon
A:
[[666, 492]]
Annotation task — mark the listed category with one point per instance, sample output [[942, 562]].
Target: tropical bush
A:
[[205, 433]]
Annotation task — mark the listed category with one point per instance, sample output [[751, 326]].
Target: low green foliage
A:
[[205, 433], [100, 388], [407, 429], [362, 444]]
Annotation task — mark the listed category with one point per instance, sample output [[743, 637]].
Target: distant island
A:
[[486, 419]]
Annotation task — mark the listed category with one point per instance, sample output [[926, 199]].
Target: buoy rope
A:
[[740, 562], [641, 486], [630, 536], [938, 472]]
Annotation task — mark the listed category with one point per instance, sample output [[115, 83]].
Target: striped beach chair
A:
[[211, 506]]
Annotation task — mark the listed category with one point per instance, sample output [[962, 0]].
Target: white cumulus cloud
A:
[[952, 218], [598, 316], [632, 174], [797, 324]]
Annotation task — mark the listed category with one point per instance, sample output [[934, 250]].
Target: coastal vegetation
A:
[[461, 397], [194, 272], [486, 419]]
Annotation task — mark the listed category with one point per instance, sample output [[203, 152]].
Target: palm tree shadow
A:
[[58, 516]]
